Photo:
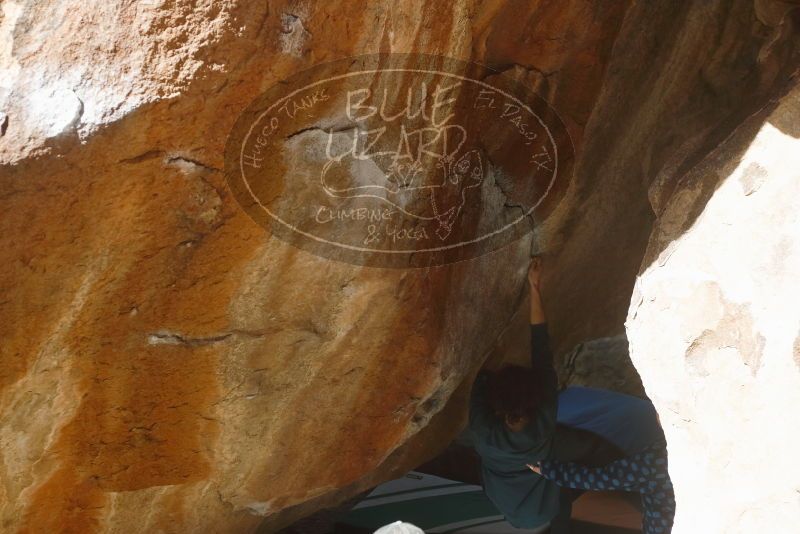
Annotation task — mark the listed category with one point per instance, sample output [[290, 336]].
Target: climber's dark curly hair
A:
[[514, 390]]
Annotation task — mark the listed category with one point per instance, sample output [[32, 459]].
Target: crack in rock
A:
[[189, 164], [150, 154], [173, 338], [330, 131]]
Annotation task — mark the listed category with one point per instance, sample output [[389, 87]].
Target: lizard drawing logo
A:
[[399, 160], [441, 181]]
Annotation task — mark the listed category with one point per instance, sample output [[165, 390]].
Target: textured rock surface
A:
[[167, 367], [602, 363], [714, 329]]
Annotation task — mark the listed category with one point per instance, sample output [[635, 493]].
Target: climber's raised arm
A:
[[534, 281], [541, 355]]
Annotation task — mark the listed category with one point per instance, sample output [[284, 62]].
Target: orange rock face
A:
[[170, 366]]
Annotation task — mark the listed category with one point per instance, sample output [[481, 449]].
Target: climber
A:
[[518, 418]]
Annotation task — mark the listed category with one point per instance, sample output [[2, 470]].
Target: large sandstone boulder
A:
[[170, 366], [714, 329]]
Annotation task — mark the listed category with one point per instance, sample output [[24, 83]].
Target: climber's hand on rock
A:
[[535, 273], [534, 278]]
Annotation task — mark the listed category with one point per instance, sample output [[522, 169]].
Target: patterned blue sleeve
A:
[[645, 472], [640, 472]]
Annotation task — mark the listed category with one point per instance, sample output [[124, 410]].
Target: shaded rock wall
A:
[[167, 366], [602, 363]]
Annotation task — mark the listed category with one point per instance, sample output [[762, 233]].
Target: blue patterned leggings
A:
[[644, 472]]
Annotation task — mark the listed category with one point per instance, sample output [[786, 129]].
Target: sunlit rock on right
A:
[[714, 329]]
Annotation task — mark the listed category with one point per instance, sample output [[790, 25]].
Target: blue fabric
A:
[[628, 422]]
